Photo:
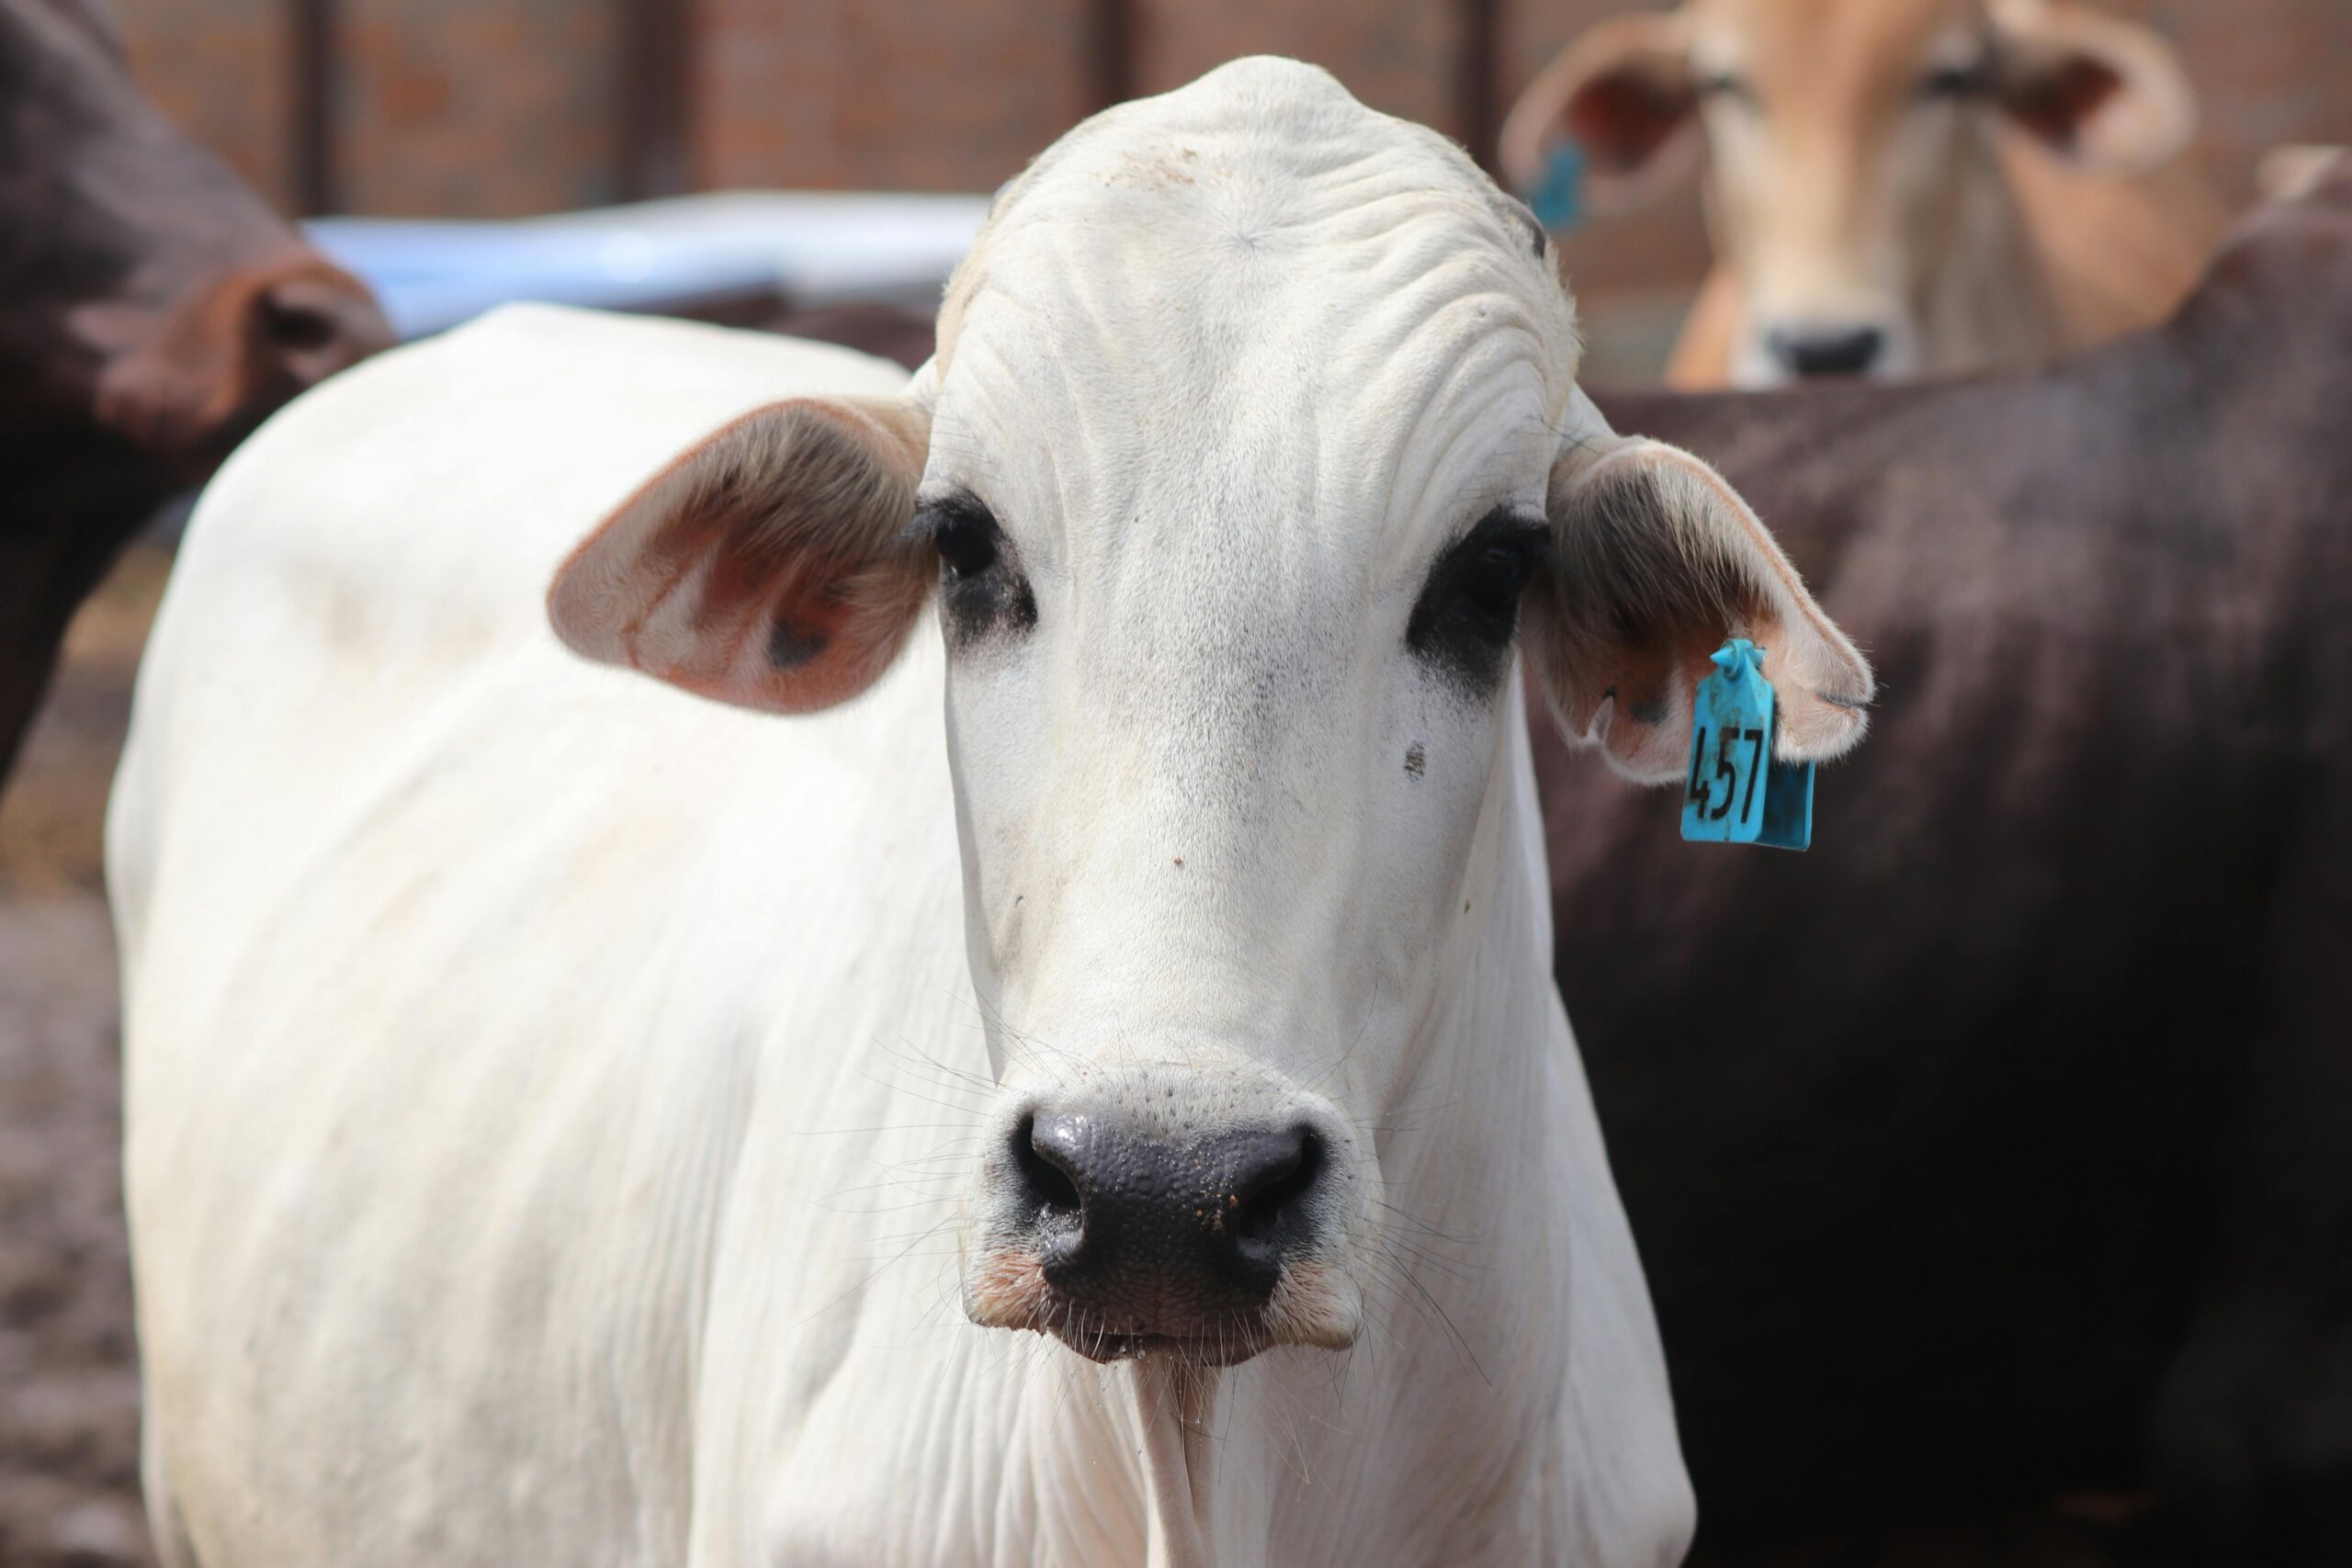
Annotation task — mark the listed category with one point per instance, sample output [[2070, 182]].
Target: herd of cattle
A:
[[1993, 1151]]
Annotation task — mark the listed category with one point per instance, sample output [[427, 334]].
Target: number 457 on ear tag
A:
[[1735, 793]]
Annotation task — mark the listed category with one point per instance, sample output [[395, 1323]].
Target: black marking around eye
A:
[[982, 589], [1468, 612]]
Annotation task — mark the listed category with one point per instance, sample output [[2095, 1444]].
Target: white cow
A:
[[565, 1114]]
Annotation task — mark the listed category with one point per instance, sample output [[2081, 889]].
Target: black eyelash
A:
[[965, 531]]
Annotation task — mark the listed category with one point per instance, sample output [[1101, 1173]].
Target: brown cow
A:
[[2001, 1147], [153, 310], [1895, 187]]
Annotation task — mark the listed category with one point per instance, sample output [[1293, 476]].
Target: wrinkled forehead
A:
[[1835, 50], [1253, 271]]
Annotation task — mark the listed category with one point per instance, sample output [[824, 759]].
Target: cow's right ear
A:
[[2096, 90], [770, 566], [1624, 94], [1656, 562]]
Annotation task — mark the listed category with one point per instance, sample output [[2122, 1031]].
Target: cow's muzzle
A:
[[1204, 1248]]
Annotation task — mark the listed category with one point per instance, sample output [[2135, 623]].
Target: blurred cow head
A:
[[1853, 182], [142, 287], [152, 311]]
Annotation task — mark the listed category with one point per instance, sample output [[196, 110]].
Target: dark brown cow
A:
[[153, 310], [2001, 1147]]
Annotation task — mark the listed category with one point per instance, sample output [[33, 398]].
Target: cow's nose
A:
[[1826, 351], [235, 351], [308, 325], [1158, 1235]]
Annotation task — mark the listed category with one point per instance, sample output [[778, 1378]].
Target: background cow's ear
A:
[[770, 566], [1624, 94], [2099, 91], [1660, 560]]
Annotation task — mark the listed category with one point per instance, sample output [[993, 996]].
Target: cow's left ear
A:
[[1658, 562], [2096, 90], [770, 566]]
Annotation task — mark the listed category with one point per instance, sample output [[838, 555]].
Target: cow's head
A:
[[146, 294], [1251, 461], [1850, 149]]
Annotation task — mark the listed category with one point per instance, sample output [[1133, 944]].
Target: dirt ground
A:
[[69, 1392]]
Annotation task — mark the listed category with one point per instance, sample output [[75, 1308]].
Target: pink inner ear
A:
[[2056, 104], [765, 620], [787, 648], [1622, 118], [1648, 685], [768, 566]]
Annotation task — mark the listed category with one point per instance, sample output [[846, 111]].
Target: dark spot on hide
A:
[[792, 644], [1537, 238], [1417, 760]]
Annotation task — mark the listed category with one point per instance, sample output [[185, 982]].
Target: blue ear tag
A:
[[1735, 793], [1558, 196]]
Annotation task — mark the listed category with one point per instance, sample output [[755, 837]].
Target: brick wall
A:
[[503, 107], [1399, 56], [910, 95], [218, 68], [491, 107]]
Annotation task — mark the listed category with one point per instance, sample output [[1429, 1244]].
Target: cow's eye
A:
[[1469, 607], [966, 540], [980, 584], [1966, 81], [1492, 579], [1725, 87]]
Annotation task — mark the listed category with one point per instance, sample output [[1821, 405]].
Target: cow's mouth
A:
[[1227, 1350], [1311, 1305]]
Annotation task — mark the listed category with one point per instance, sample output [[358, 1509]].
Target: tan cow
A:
[[1894, 187]]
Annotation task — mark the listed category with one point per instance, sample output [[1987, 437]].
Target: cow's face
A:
[[1851, 152], [1250, 455], [145, 293]]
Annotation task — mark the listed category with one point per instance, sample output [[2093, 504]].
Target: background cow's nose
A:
[[234, 352], [1168, 1235], [308, 325], [1826, 351]]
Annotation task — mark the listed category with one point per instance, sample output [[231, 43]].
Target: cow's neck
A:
[[1985, 294]]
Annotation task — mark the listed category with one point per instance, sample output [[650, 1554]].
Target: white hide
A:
[[553, 1101]]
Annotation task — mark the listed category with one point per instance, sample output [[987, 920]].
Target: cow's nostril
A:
[[1267, 1195], [293, 325], [1836, 351], [1047, 1191]]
